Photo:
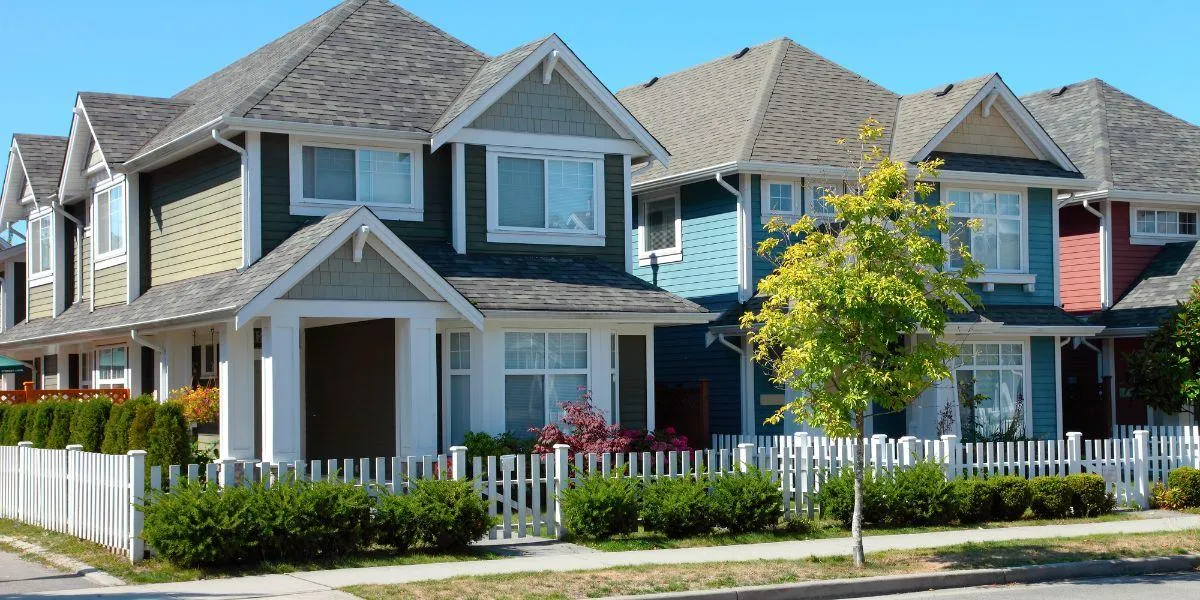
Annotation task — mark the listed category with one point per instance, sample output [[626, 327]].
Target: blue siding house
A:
[[752, 136]]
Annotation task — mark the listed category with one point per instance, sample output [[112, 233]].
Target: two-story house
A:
[[752, 136], [372, 237], [1127, 247]]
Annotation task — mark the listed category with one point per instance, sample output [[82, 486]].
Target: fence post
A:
[[878, 443], [561, 482], [228, 472], [458, 463], [73, 451], [907, 451], [1074, 452], [137, 491], [1141, 466], [743, 457], [950, 456], [22, 476]]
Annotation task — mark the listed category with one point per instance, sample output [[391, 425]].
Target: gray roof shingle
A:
[[487, 76], [923, 114], [122, 124], [42, 156], [1014, 315], [1119, 139], [1012, 165], [1162, 285]]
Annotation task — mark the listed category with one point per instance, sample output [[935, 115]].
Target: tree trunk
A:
[[856, 520]]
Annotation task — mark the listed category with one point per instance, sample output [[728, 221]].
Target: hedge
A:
[[87, 424], [60, 428], [170, 441]]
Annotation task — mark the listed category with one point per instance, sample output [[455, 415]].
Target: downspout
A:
[[1105, 266], [58, 208], [743, 240], [245, 162]]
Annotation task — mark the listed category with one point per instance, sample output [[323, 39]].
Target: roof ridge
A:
[[699, 65], [840, 66], [766, 89], [135, 97], [1101, 108], [440, 31]]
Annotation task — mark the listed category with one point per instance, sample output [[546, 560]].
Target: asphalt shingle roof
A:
[[1012, 165], [42, 156], [1119, 139], [1015, 315], [923, 114], [1163, 284], [122, 123], [487, 76]]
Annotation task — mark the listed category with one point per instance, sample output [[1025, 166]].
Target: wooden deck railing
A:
[[30, 395]]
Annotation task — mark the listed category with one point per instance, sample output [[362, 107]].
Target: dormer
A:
[[29, 195]]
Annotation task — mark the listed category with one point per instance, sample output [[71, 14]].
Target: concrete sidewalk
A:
[[317, 585]]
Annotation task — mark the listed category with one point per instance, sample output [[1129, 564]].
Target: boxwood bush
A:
[[1184, 484], [746, 502], [599, 507], [836, 497], [1049, 497], [449, 514], [678, 507], [1011, 497], [1089, 495], [918, 495]]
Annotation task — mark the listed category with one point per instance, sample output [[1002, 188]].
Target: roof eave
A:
[[653, 318]]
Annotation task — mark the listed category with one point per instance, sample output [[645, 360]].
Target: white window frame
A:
[[448, 377], [109, 383], [537, 235], [546, 371], [1027, 375], [991, 277], [764, 197], [1157, 239], [85, 370], [113, 256], [662, 255], [46, 275], [810, 196], [319, 207]]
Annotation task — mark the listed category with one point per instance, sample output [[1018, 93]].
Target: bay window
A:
[[999, 242], [1168, 223], [329, 176], [110, 367], [557, 198], [41, 245], [109, 218], [660, 231], [542, 370], [990, 379]]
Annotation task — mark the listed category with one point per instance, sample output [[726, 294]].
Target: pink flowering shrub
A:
[[585, 430]]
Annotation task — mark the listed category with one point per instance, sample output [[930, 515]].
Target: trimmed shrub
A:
[[836, 497], [600, 507], [1089, 495], [170, 441], [141, 410], [746, 502], [1161, 497], [88, 422], [1011, 495], [395, 522], [200, 525], [14, 424], [450, 514], [116, 430], [918, 495], [1184, 483], [677, 507], [38, 422], [479, 443], [974, 499], [296, 520], [60, 428], [1050, 497]]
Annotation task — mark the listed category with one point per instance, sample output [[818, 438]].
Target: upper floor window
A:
[[41, 245], [660, 231], [1165, 222], [781, 198], [817, 207], [548, 199], [999, 242], [327, 177], [109, 221]]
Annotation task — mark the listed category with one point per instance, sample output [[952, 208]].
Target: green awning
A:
[[8, 365]]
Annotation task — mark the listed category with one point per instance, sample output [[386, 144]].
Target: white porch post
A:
[[600, 354], [281, 389], [416, 386], [237, 392]]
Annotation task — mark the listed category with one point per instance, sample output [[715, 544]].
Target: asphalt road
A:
[[1178, 586], [19, 576]]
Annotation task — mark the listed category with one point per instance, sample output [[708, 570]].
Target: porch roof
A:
[[1159, 289]]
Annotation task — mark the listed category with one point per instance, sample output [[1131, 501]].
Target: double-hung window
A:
[[542, 370], [327, 177], [660, 231], [545, 198], [110, 367], [999, 241], [990, 380], [41, 245], [109, 231], [1164, 223], [459, 362]]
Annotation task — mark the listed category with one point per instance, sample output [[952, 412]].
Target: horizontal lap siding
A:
[[41, 301], [86, 269], [1044, 385], [193, 216], [110, 286], [761, 266], [1079, 254], [680, 357], [1041, 255], [1129, 260]]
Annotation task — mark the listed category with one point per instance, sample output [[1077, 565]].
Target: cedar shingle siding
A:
[[554, 108], [340, 278], [193, 217]]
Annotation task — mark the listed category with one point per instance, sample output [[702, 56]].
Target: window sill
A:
[[788, 218], [315, 208], [659, 257], [552, 239], [104, 262], [41, 279], [1158, 240], [989, 280]]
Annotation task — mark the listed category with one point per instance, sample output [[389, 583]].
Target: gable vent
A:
[[1060, 91], [944, 91], [741, 53], [653, 80]]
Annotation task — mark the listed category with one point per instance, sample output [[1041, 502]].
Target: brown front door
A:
[[1085, 409], [631, 380], [350, 390]]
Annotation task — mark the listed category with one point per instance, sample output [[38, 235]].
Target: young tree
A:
[[1165, 373], [846, 303]]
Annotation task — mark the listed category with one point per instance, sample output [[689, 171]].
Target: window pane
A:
[[522, 191], [1145, 221], [961, 202], [1187, 223], [565, 388], [1010, 204], [571, 195], [328, 173], [460, 350], [116, 219], [984, 243], [781, 197], [983, 203], [524, 403], [386, 177], [1010, 244], [102, 222], [960, 236], [524, 350], [1166, 221], [45, 243], [460, 407], [567, 350], [660, 225], [819, 206]]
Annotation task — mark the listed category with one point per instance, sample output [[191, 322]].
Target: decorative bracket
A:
[[548, 67], [360, 240]]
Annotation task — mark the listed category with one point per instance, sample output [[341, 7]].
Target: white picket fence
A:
[[1180, 431]]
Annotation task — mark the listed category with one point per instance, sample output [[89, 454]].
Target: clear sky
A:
[[1149, 48]]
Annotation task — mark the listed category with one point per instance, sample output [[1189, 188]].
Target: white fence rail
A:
[[92, 496], [1180, 431]]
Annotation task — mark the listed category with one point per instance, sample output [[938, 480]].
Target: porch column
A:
[[416, 386], [281, 389], [237, 392]]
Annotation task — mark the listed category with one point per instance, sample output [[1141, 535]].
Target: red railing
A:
[[30, 395]]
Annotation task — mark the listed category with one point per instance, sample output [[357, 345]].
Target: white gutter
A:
[[270, 126], [141, 341], [141, 161], [58, 208]]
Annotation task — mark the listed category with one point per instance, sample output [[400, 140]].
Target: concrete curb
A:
[[921, 582], [66, 563]]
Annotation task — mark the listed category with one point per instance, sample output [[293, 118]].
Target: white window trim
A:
[[991, 277], [449, 372], [810, 195], [764, 197], [532, 235], [124, 379], [1027, 376], [37, 278], [112, 257], [662, 255], [547, 371], [315, 207], [1157, 239]]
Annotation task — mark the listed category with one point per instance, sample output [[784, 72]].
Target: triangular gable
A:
[[556, 108], [361, 231], [14, 183], [546, 59], [370, 277], [83, 153], [989, 134]]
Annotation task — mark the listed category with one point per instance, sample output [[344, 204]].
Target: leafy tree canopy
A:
[[1165, 373]]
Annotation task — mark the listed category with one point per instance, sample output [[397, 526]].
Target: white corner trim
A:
[[252, 200], [458, 197], [627, 189], [299, 205]]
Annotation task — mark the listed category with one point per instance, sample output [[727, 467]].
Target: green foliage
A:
[[479, 443], [116, 430], [836, 497], [200, 525], [1089, 495], [1050, 497], [1184, 483], [14, 424], [142, 410], [1012, 497], [974, 498], [38, 422], [395, 522], [919, 495], [1168, 499], [746, 502], [298, 519], [60, 428], [678, 507], [1165, 373], [600, 507], [449, 514], [88, 422], [170, 441]]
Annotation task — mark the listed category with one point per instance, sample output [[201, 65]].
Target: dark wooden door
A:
[[1085, 408], [350, 390], [631, 380]]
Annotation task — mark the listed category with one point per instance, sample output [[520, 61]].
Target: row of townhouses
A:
[[374, 238]]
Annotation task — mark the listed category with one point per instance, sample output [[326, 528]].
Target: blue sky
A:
[[156, 47]]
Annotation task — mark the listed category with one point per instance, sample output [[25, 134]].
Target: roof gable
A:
[[989, 134], [556, 108], [34, 165], [121, 124]]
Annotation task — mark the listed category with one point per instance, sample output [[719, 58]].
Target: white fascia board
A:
[[11, 200], [754, 166], [1125, 332], [77, 151], [624, 317], [997, 328], [121, 331], [541, 141], [1078, 197], [188, 143], [1008, 178], [1166, 197], [315, 129]]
